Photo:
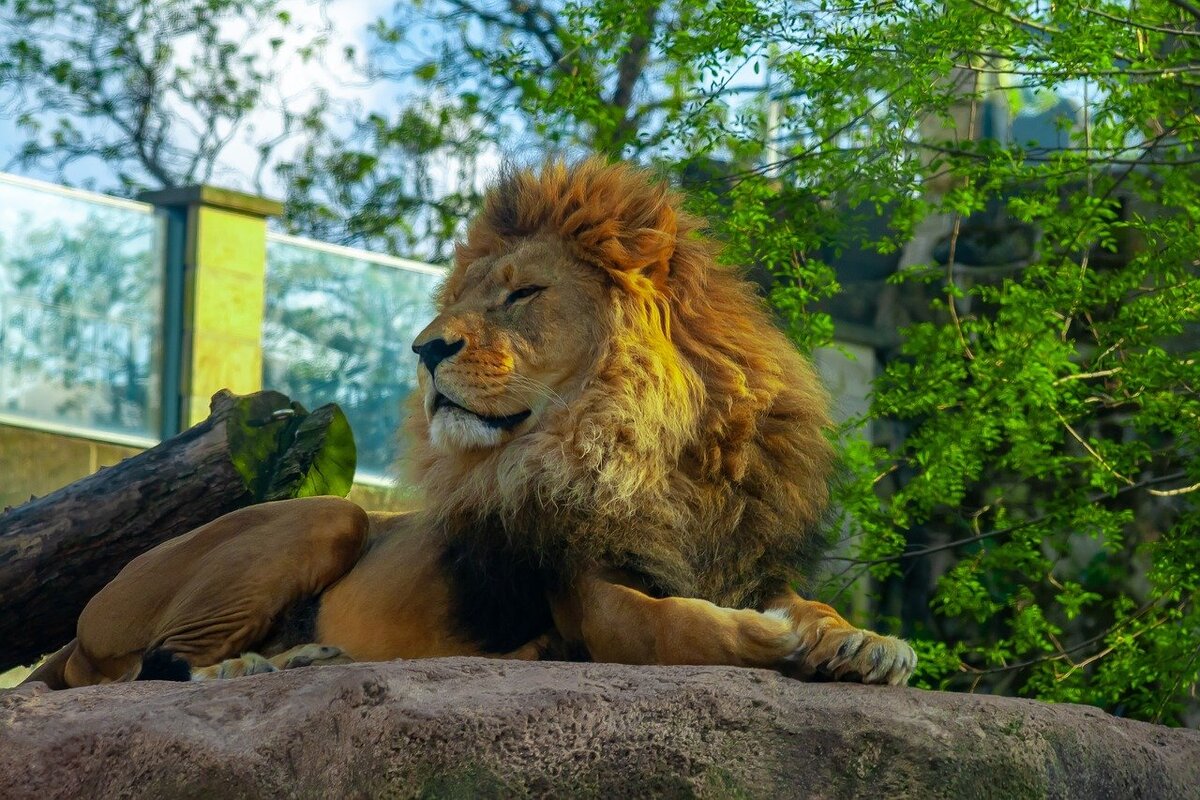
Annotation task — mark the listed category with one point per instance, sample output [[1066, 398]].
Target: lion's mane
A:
[[695, 455]]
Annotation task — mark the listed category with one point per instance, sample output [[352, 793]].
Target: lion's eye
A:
[[522, 293]]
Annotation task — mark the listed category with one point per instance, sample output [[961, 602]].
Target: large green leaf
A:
[[321, 457], [281, 450]]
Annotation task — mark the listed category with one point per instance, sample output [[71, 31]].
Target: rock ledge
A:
[[479, 728]]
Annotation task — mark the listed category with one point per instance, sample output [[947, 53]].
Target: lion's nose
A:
[[435, 351]]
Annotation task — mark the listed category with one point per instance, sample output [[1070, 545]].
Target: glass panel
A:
[[80, 309], [338, 327]]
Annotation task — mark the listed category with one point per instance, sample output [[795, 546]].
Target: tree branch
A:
[[633, 61]]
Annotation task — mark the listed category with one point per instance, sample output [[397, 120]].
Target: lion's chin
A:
[[453, 428]]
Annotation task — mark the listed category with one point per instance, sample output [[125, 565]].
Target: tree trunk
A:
[[59, 550]]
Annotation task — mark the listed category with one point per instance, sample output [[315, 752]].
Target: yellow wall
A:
[[35, 463], [224, 295]]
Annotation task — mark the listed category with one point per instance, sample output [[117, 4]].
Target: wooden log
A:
[[57, 551]]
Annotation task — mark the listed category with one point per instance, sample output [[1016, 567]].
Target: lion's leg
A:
[[535, 650], [619, 623], [215, 592]]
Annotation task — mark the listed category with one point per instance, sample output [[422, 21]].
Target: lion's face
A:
[[511, 344]]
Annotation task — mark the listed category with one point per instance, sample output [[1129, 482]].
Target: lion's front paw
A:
[[845, 653]]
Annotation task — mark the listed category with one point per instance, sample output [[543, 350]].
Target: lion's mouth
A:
[[503, 423]]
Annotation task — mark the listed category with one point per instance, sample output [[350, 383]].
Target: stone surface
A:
[[477, 728]]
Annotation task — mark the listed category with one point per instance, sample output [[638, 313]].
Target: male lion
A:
[[622, 460]]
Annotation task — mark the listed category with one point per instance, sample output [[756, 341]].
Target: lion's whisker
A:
[[542, 390]]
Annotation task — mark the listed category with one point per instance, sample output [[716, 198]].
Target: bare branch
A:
[[1175, 492]]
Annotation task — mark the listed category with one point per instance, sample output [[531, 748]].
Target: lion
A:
[[621, 458]]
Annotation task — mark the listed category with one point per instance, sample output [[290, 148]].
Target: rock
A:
[[468, 728]]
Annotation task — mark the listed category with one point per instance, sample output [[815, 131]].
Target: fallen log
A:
[[58, 550]]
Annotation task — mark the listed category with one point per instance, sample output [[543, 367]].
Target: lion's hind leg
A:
[[217, 591]]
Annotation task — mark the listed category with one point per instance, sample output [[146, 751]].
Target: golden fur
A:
[[621, 459]]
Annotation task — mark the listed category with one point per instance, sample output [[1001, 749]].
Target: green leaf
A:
[[321, 458]]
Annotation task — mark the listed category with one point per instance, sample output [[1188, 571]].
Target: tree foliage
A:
[[400, 183], [513, 56], [473, 80]]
